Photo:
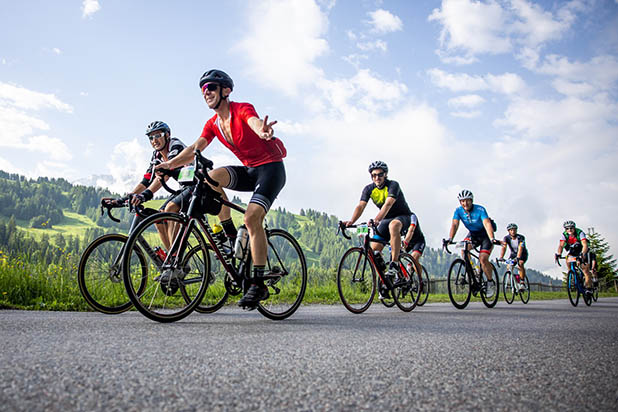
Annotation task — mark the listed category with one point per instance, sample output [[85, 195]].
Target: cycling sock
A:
[[229, 228], [258, 273]]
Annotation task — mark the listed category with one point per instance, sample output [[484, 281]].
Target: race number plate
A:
[[187, 174]]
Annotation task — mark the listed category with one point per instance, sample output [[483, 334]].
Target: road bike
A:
[[511, 282], [425, 287], [197, 260], [99, 274], [361, 272], [575, 281], [466, 279]]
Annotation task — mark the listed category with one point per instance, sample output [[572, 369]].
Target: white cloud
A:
[[599, 74], [128, 163], [372, 45], [471, 27], [468, 100], [383, 21], [507, 83], [284, 26], [57, 50], [466, 115], [22, 98], [89, 7]]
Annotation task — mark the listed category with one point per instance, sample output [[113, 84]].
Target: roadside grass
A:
[[37, 286]]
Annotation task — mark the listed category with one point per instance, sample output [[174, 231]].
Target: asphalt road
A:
[[544, 355]]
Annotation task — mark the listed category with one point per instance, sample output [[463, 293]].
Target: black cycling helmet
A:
[[156, 126], [465, 194], [511, 226], [378, 164], [216, 76]]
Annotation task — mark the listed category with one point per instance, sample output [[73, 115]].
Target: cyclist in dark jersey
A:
[[165, 148], [476, 220], [393, 218], [575, 242], [517, 245], [239, 128], [414, 242]]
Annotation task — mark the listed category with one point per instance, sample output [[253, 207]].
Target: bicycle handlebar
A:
[[342, 227], [110, 203]]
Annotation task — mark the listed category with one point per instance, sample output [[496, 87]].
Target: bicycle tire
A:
[[587, 298], [356, 289], [425, 287], [217, 294], [100, 280], [572, 288], [407, 295], [458, 282], [161, 301], [387, 301], [507, 287], [284, 255], [491, 302], [595, 294], [525, 294]]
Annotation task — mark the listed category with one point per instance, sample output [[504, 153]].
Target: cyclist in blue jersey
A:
[[481, 233]]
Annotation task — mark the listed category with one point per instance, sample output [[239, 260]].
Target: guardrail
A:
[[440, 286]]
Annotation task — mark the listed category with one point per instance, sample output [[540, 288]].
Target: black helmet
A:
[[378, 164], [156, 126], [216, 76]]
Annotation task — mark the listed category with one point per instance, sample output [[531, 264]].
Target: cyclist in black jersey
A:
[[517, 245], [393, 219], [414, 242], [165, 148]]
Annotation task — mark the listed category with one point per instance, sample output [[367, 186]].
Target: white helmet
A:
[[465, 194]]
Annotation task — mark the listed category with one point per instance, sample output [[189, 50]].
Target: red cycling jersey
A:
[[248, 147]]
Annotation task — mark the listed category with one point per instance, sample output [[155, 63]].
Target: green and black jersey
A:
[[390, 189]]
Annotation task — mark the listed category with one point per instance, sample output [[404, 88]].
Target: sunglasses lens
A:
[[211, 87]]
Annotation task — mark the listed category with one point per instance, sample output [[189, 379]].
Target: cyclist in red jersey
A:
[[239, 128]]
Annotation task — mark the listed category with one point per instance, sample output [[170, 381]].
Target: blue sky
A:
[[513, 99]]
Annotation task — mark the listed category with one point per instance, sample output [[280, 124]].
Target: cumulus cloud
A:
[[467, 101], [471, 27], [22, 98], [507, 83], [283, 26], [89, 7], [383, 21]]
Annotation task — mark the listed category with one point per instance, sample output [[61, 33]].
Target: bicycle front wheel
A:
[[507, 287], [573, 288], [459, 290], [406, 295], [286, 269], [180, 280], [491, 302], [524, 295], [356, 280], [99, 274], [595, 293]]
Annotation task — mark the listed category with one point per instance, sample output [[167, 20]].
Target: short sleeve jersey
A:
[[248, 147], [473, 221], [379, 196], [514, 243], [573, 241], [174, 147]]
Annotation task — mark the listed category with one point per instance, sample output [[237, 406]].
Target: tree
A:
[[606, 264]]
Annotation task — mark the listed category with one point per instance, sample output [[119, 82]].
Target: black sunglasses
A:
[[211, 87], [374, 175]]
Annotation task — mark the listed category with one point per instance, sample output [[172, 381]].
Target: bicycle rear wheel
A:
[[406, 296], [491, 302], [99, 274], [217, 294], [425, 287], [507, 287], [178, 284], [572, 288], [595, 293], [524, 295], [356, 280], [459, 290], [287, 268]]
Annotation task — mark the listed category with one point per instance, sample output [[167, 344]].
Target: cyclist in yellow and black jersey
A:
[[393, 219]]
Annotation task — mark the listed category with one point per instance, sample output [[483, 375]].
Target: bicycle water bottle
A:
[[379, 259], [161, 253], [221, 239], [242, 242]]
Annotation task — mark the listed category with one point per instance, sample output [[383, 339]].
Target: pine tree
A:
[[606, 264]]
